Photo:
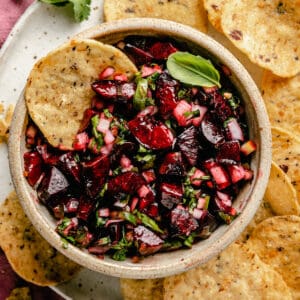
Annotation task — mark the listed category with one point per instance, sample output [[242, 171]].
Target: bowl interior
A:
[[161, 264]]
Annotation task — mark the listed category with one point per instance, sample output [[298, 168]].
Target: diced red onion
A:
[[107, 72], [103, 212], [103, 125], [143, 191], [134, 203], [235, 130], [109, 138], [197, 213]]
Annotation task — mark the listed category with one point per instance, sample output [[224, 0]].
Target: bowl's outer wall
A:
[[162, 264]]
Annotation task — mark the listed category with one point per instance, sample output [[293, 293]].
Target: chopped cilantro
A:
[[192, 114], [148, 222], [81, 8], [107, 113]]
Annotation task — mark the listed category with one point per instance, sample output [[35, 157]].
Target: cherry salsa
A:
[[156, 164]]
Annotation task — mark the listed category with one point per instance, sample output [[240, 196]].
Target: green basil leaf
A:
[[193, 70]]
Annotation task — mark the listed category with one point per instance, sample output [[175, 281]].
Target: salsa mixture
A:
[[157, 162]]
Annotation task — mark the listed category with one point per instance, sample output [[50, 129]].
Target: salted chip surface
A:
[[282, 100], [263, 212], [30, 256], [277, 242], [214, 11], [267, 31], [142, 289], [237, 273], [20, 293], [286, 154], [280, 193], [188, 12], [59, 90]]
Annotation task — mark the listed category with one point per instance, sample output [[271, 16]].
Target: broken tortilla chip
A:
[[281, 194], [237, 273], [59, 89], [189, 12], [267, 31], [30, 256], [277, 242], [214, 12], [282, 100], [286, 154]]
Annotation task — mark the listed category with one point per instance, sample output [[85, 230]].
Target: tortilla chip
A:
[[281, 194], [9, 114], [267, 31], [237, 273], [5, 123], [3, 128], [282, 99], [214, 12], [264, 211], [142, 289], [21, 293], [188, 12], [286, 154], [59, 87], [30, 256], [277, 242]]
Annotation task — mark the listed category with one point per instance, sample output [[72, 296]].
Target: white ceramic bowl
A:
[[161, 264]]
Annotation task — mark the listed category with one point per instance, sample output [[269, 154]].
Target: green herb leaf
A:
[[139, 98], [120, 255], [227, 218], [147, 221], [130, 217], [193, 70], [81, 8], [107, 113]]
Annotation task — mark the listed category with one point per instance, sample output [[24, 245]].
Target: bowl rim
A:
[[187, 260]]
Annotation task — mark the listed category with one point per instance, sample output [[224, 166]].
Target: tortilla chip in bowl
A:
[[163, 263]]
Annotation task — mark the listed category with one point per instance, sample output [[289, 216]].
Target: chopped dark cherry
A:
[[146, 198], [222, 109], [188, 143], [88, 114], [94, 174], [172, 165], [138, 55], [69, 166], [229, 153], [166, 94], [128, 182], [121, 149], [53, 185], [170, 194], [161, 50], [211, 130], [33, 167], [151, 133], [148, 241], [117, 91], [182, 221], [85, 208]]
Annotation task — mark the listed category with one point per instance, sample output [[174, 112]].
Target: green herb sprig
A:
[[81, 8]]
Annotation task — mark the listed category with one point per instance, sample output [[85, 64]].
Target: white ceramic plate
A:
[[41, 29]]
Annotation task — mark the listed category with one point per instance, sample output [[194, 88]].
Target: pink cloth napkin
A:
[[10, 11]]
